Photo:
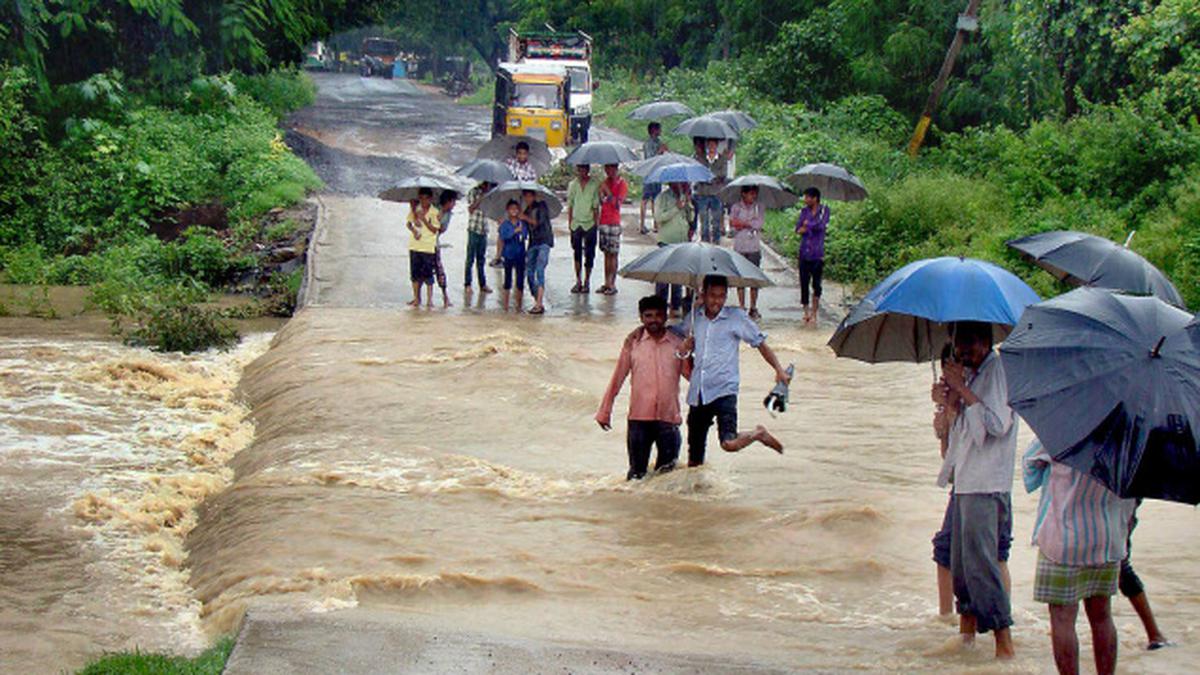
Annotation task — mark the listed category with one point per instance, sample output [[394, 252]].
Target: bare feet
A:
[[763, 436], [1004, 645], [415, 302]]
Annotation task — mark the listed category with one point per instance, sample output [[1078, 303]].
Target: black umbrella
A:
[[1110, 383], [651, 164], [833, 181], [495, 203], [409, 189], [501, 148], [706, 127], [737, 119], [486, 171], [600, 152], [659, 110], [1087, 260]]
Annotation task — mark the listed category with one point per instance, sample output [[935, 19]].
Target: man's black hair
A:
[[972, 331], [522, 145], [424, 192], [447, 197], [813, 192], [652, 302], [652, 126], [749, 188], [715, 280], [512, 202]]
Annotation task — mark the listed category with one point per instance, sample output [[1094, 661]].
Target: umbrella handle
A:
[[1129, 238]]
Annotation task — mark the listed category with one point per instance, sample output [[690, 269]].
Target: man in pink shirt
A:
[[649, 356], [612, 194]]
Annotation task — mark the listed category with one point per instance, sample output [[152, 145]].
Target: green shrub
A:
[[280, 91]]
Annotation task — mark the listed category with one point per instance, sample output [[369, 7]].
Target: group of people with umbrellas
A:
[[1108, 378]]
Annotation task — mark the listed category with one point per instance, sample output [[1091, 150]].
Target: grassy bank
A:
[[210, 662], [152, 202], [1111, 170]]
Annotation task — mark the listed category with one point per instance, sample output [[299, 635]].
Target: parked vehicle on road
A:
[[572, 51], [378, 57], [532, 100]]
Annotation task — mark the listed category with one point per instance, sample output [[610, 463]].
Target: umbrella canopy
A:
[[689, 263], [907, 317], [1087, 260], [501, 148], [680, 173], [495, 203], [737, 119], [659, 110], [407, 190], [833, 181], [771, 193], [706, 127], [600, 152], [1110, 383], [647, 166], [485, 171]]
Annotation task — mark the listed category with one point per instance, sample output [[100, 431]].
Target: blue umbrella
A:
[[680, 173], [909, 316], [1110, 383]]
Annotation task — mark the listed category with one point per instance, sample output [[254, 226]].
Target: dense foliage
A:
[[1112, 169]]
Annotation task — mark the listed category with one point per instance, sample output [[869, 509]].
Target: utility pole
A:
[[968, 22]]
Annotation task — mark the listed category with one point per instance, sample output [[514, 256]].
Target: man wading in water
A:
[[649, 357], [717, 334]]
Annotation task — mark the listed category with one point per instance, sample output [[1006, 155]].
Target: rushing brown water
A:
[[104, 451]]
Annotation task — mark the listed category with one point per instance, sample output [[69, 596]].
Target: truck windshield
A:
[[581, 81], [374, 47], [536, 96]]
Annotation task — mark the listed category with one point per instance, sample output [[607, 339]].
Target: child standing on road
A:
[[512, 237], [652, 148], [612, 194], [423, 229], [746, 218], [445, 206]]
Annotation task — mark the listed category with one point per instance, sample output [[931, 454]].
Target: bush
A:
[[280, 91], [210, 662]]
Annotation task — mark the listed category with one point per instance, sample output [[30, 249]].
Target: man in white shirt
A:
[[980, 460]]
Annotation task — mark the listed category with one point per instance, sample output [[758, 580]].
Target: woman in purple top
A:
[[811, 226]]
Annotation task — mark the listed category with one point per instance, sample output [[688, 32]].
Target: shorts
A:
[[941, 539], [650, 191], [1057, 584], [610, 238], [700, 419], [583, 243], [755, 257], [422, 267]]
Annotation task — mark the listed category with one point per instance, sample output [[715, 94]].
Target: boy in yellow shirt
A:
[[423, 227]]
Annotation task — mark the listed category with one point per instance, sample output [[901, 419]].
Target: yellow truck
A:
[[534, 101]]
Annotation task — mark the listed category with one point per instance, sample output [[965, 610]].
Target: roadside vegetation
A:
[[210, 662], [140, 155], [1059, 116]]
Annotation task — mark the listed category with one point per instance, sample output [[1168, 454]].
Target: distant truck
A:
[[378, 57], [569, 50]]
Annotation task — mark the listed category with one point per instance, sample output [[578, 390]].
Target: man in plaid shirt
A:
[[477, 233]]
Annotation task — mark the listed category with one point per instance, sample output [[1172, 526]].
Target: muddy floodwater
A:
[[444, 464]]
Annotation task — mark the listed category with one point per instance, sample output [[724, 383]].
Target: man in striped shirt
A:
[[477, 231], [1081, 534]]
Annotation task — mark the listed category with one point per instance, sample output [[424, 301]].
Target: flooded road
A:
[[445, 464]]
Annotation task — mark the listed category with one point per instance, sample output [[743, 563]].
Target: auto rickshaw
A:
[[532, 101]]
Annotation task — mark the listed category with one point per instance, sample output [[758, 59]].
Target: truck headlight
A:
[[556, 125], [514, 123]]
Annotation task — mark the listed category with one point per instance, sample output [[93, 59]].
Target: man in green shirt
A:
[[673, 213], [583, 212]]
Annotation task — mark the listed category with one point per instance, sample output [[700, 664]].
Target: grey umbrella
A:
[[600, 152], [486, 171], [648, 166], [1087, 260], [501, 148], [771, 193], [659, 110], [408, 189], [1110, 383], [688, 264], [737, 119], [495, 203], [706, 127], [833, 181]]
